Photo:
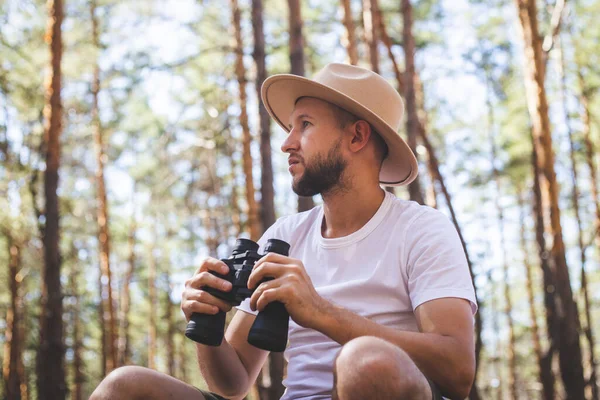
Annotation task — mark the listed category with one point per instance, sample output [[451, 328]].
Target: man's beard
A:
[[323, 174]]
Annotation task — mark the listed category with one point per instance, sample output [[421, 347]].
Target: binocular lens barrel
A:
[[277, 246], [270, 328], [243, 245], [206, 329]]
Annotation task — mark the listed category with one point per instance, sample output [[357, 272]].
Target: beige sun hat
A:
[[358, 91]]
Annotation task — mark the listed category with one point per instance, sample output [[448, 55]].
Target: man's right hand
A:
[[195, 300]]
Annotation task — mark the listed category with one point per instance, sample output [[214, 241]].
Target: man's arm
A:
[[443, 349], [231, 368]]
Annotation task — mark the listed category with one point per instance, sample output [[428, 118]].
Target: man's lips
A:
[[293, 160]]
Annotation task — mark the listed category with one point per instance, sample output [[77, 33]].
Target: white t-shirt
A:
[[406, 255]]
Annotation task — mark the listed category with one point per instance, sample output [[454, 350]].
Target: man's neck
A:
[[347, 211]]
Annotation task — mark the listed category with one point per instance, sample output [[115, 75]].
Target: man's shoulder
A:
[[409, 211], [291, 226]]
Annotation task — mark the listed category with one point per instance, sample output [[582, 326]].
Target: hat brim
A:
[[280, 93]]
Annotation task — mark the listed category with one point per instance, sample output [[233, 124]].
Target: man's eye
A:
[[305, 124]]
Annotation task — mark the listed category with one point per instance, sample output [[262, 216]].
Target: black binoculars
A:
[[270, 328]]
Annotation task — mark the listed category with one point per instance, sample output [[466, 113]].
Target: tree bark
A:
[[569, 348], [240, 71], [431, 192], [169, 342], [547, 375], [77, 345], [371, 35], [575, 204], [590, 152], [495, 358], [124, 348], [412, 119], [153, 303], [266, 188], [275, 389], [50, 361], [474, 394], [387, 41], [296, 45], [535, 331], [349, 39], [512, 365], [109, 325], [182, 361], [13, 345]]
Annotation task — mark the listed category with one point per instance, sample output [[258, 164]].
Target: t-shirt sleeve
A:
[[269, 234], [436, 262]]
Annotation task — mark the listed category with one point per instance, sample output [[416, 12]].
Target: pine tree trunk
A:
[[153, 304], [240, 71], [535, 331], [266, 187], [182, 360], [108, 317], [104, 355], [546, 373], [371, 26], [50, 361], [412, 119], [296, 45], [77, 345], [275, 389], [431, 192], [512, 365], [569, 349], [169, 342], [496, 359], [589, 157], [590, 153], [380, 21], [387, 41], [474, 394], [124, 350], [233, 199], [575, 204], [349, 40], [13, 345]]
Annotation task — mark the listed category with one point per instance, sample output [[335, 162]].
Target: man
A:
[[378, 290]]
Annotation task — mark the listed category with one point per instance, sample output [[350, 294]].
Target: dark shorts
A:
[[436, 393], [211, 396]]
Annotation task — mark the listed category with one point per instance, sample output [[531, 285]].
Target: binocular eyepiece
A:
[[270, 328]]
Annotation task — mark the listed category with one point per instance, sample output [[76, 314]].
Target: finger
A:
[[266, 297], [266, 270], [212, 264], [274, 257], [189, 307], [202, 296], [260, 289], [205, 278]]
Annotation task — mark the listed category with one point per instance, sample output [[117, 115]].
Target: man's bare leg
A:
[[134, 383], [372, 368]]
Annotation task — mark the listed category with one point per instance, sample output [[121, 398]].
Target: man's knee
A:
[[126, 382], [369, 367]]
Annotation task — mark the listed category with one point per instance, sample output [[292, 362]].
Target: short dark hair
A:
[[346, 118]]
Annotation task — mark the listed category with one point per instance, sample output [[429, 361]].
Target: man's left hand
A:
[[290, 285]]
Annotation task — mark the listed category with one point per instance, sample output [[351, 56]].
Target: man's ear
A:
[[361, 132]]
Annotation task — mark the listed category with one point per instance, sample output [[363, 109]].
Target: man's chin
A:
[[302, 191]]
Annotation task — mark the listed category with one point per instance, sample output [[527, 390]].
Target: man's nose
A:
[[291, 142]]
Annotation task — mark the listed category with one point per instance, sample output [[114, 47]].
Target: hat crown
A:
[[365, 87]]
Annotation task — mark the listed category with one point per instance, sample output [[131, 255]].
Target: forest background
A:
[[132, 145]]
